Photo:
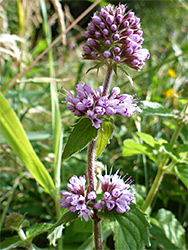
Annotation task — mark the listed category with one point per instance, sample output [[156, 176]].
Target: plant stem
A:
[[107, 80], [153, 189], [91, 187], [161, 167], [91, 166], [97, 232]]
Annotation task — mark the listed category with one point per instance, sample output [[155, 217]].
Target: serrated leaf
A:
[[105, 133], [182, 172], [154, 108], [171, 227], [37, 229], [131, 229], [11, 243], [82, 133], [55, 235]]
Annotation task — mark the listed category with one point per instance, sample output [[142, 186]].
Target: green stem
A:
[[56, 118], [153, 189], [161, 167]]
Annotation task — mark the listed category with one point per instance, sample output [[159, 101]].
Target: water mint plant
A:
[[48, 189]]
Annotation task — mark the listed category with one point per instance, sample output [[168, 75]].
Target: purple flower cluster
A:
[[75, 199], [94, 105], [117, 195], [115, 36]]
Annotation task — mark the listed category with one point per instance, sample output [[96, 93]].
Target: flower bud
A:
[[109, 19], [107, 42], [96, 20], [113, 27], [107, 54], [117, 50]]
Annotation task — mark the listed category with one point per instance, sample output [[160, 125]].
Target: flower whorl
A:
[[115, 36]]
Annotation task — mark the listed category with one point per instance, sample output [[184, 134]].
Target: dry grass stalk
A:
[[61, 19], [8, 46], [70, 19]]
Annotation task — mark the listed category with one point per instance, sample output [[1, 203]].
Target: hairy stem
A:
[[91, 166], [91, 187], [97, 232], [162, 167], [107, 80]]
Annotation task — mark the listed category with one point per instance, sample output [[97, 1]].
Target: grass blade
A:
[[14, 134]]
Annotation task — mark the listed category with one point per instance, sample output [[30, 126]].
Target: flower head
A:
[[115, 36], [75, 198], [117, 195], [94, 105]]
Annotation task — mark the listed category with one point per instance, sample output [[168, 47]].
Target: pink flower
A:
[[92, 104]]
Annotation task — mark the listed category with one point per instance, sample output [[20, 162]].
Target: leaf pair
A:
[[83, 132]]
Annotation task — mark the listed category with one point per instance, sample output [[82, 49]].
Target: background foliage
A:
[[30, 26]]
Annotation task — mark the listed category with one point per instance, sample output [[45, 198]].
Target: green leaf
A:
[[81, 135], [11, 243], [37, 229], [55, 231], [131, 148], [171, 227], [148, 139], [159, 240], [14, 134], [41, 45], [131, 229], [87, 244], [105, 133], [55, 235], [174, 154], [182, 172], [154, 108], [65, 218]]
